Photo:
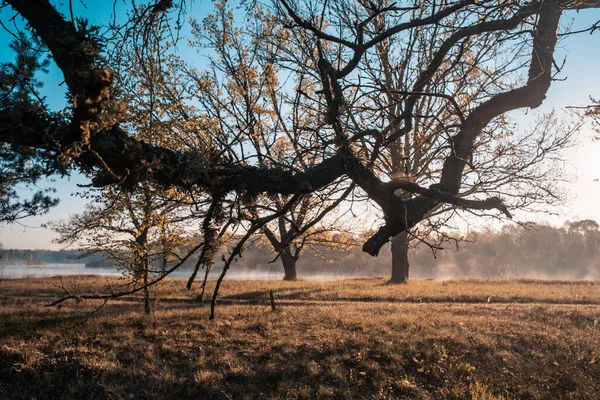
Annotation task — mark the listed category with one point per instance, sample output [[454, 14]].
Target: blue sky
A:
[[582, 53]]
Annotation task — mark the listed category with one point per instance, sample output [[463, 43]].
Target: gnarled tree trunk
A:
[[400, 263], [289, 264]]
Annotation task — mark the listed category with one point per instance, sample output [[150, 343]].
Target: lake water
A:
[[48, 270], [42, 271]]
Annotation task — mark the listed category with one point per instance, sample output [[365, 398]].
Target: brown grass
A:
[[355, 339]]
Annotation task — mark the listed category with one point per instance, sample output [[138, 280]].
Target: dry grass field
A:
[[354, 339]]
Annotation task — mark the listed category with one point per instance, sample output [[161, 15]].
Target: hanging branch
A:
[[238, 248]]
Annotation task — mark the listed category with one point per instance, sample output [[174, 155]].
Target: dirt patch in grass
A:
[[356, 339]]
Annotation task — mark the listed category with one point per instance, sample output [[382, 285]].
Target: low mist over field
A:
[[538, 251]]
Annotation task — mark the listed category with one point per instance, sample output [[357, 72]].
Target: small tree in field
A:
[[301, 227], [142, 229], [136, 231]]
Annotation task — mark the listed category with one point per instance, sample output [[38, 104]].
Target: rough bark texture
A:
[[400, 264], [289, 265], [146, 294]]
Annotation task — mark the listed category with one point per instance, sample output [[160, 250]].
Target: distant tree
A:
[[533, 250], [584, 226], [593, 112], [301, 227], [138, 231], [241, 97]]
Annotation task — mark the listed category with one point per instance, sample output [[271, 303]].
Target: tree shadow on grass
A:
[[351, 369]]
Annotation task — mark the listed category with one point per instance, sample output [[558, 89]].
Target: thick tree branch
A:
[[445, 197], [77, 54], [530, 95], [137, 161]]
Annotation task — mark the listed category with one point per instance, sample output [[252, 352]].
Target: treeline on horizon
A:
[[41, 257], [541, 251], [571, 251]]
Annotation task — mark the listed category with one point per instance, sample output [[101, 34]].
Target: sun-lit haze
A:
[[578, 81]]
